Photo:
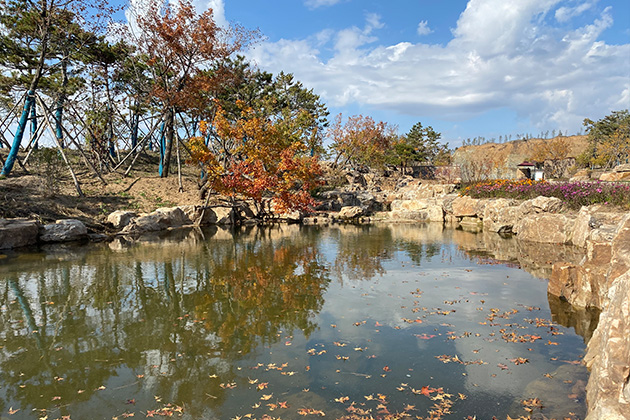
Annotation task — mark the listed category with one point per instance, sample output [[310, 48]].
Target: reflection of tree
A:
[[361, 251], [172, 317]]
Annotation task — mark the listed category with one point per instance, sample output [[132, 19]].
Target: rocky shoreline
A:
[[599, 278]]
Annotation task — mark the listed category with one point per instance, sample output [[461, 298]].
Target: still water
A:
[[400, 321]]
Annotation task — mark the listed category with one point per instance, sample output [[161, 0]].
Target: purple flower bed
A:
[[575, 194]]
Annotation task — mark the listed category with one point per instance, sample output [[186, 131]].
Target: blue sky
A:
[[476, 68]]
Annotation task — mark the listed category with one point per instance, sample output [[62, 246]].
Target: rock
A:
[[620, 251], [581, 175], [63, 231], [292, 216], [350, 212], [583, 226], [15, 233], [225, 215], [500, 215], [160, 219], [428, 209], [171, 217], [615, 176], [619, 173], [622, 168], [121, 218], [465, 207], [608, 357], [542, 205], [545, 228]]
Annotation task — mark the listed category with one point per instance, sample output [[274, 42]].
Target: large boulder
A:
[[619, 173], [172, 216], [500, 215], [160, 219], [15, 233], [428, 209], [545, 228], [63, 231], [466, 206], [350, 212], [542, 205], [121, 218]]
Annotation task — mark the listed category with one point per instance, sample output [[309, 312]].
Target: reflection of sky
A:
[[447, 276]]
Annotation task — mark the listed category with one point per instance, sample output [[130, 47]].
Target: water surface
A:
[[290, 321]]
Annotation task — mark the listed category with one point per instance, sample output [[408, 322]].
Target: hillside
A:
[[501, 159]]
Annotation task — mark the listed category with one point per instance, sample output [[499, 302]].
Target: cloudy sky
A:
[[476, 68]]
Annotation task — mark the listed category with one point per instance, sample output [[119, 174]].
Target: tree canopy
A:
[[609, 140]]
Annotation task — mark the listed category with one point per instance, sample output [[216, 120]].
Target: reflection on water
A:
[[283, 321]]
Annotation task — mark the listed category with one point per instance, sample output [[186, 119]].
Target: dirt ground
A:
[[47, 192]]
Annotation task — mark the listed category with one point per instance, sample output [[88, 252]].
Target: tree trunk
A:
[[170, 122], [60, 101]]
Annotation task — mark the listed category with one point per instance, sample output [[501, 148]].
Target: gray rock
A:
[[63, 231], [350, 212], [121, 218], [15, 233]]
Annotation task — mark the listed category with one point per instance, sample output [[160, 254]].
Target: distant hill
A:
[[500, 160]]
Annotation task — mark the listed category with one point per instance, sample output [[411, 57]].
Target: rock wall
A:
[[598, 280]]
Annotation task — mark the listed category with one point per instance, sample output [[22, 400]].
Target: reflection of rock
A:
[[557, 404], [582, 320]]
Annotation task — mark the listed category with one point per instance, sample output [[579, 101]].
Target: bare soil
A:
[[48, 194]]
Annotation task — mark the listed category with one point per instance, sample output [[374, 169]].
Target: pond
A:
[[387, 321]]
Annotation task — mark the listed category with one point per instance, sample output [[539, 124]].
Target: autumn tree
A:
[[361, 141], [262, 164], [609, 140], [297, 111], [179, 45], [554, 149]]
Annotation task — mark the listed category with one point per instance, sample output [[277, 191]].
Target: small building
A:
[[531, 170]]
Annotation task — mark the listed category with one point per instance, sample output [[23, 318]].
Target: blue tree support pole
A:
[[162, 148], [58, 128], [19, 134], [34, 124]]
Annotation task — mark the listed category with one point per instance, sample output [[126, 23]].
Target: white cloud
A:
[[564, 13], [423, 28], [502, 55], [218, 10], [314, 4]]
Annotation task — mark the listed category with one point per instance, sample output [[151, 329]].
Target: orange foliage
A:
[[179, 44], [263, 165], [361, 140]]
